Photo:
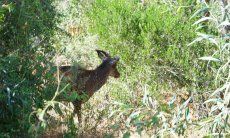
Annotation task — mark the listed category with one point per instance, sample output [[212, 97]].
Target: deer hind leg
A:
[[77, 110]]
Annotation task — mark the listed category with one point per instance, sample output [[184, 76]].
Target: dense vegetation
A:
[[174, 67], [26, 30]]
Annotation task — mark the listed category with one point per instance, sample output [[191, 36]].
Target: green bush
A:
[[26, 28], [213, 31], [152, 40]]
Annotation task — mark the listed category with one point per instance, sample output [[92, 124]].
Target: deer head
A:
[[109, 62]]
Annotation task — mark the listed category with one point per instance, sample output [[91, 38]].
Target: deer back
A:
[[89, 81]]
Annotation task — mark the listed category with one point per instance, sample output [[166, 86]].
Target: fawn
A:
[[87, 82]]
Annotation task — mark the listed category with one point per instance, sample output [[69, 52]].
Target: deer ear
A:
[[102, 54]]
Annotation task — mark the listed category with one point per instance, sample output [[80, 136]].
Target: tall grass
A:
[[219, 96]]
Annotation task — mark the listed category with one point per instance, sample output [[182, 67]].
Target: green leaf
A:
[[210, 59], [196, 40], [220, 89], [171, 102], [43, 124], [187, 114], [213, 100], [202, 20], [134, 115], [126, 134], [112, 113], [210, 38], [155, 120], [199, 12], [224, 23]]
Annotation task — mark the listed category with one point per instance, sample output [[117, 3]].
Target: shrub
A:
[[213, 31], [25, 31], [152, 41]]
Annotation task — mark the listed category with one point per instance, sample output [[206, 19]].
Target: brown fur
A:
[[87, 82]]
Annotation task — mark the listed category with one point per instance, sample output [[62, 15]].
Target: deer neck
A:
[[98, 78]]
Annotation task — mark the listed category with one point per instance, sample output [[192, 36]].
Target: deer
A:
[[87, 82]]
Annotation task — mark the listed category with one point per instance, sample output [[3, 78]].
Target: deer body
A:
[[87, 82]]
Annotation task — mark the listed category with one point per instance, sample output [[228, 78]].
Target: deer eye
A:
[[113, 62]]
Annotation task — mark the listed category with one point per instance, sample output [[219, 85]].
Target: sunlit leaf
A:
[[127, 122], [200, 27], [186, 102], [196, 40], [145, 97], [210, 38], [41, 115], [206, 36], [213, 100], [213, 108], [209, 59], [112, 113], [170, 103], [134, 115], [227, 95], [214, 127], [202, 20], [117, 103], [219, 90], [201, 10], [224, 23], [9, 7], [43, 124]]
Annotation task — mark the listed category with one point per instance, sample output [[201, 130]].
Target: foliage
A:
[[219, 98], [151, 38], [26, 28]]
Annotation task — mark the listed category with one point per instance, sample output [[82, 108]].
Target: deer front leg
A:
[[77, 110]]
